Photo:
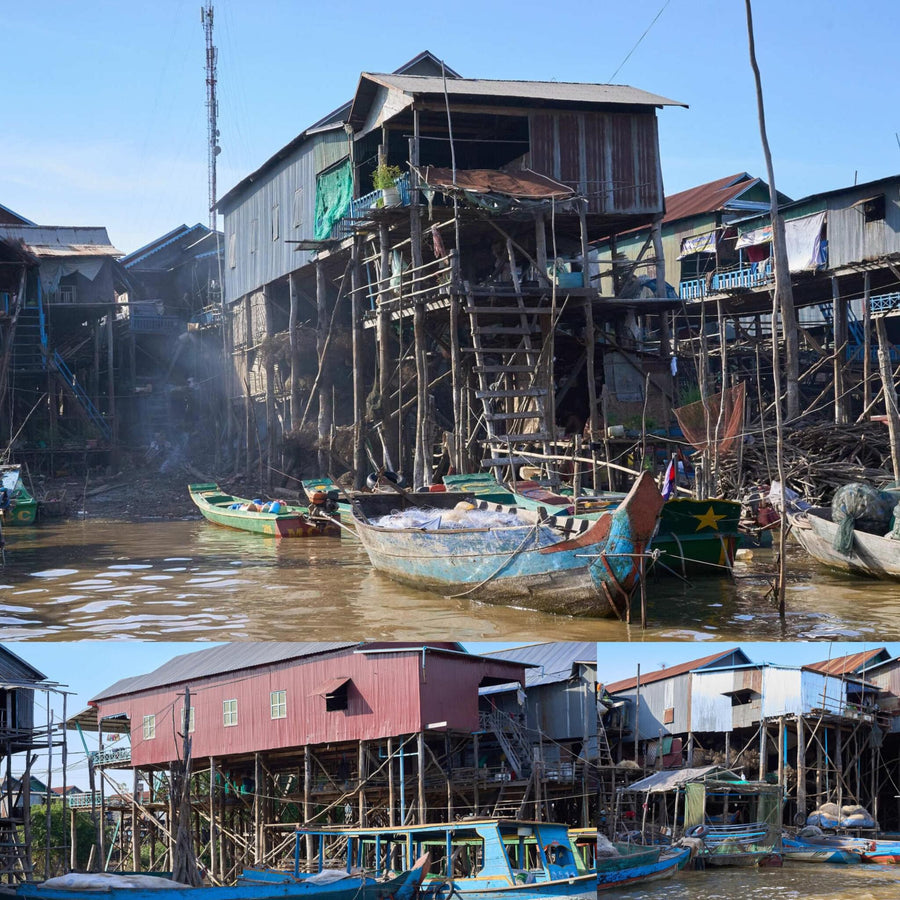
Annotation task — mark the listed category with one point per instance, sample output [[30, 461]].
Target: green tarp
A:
[[334, 191]]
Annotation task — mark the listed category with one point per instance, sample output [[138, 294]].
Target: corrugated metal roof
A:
[[851, 663], [554, 661], [14, 669], [334, 119], [706, 198], [661, 674], [56, 241], [660, 782], [221, 660], [561, 91]]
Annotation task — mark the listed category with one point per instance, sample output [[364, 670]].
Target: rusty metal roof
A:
[[706, 198], [524, 184], [682, 668], [46, 241], [559, 91], [852, 663]]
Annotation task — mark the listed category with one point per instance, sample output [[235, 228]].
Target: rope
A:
[[531, 532]]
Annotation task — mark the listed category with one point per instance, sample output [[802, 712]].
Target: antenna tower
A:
[[212, 107]]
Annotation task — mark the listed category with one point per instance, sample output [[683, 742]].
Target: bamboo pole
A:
[[326, 411], [867, 343], [359, 459], [890, 393]]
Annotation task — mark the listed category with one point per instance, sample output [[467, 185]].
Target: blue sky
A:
[[90, 666], [104, 102]]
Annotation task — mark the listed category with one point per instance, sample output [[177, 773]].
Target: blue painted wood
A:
[[538, 564], [616, 872], [798, 850], [553, 870]]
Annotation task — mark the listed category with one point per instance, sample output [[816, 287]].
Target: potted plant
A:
[[383, 179]]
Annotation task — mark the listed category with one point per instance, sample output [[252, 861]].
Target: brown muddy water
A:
[[190, 580], [795, 881]]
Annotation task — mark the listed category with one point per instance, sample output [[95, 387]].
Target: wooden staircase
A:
[[508, 364]]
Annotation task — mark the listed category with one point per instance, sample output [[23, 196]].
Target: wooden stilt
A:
[[839, 323], [890, 393], [326, 412], [359, 459], [867, 346]]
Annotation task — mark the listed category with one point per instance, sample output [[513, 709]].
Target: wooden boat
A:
[[796, 849], [252, 885], [474, 859], [871, 554], [232, 512], [736, 845], [636, 864], [22, 506], [631, 863], [560, 565], [695, 537]]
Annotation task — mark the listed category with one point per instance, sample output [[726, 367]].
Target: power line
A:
[[646, 32]]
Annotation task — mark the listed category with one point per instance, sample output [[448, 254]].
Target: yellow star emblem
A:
[[709, 519]]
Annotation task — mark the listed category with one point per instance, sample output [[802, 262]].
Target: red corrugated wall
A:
[[389, 694], [613, 158]]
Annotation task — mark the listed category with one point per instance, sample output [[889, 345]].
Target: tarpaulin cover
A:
[[803, 240], [524, 184], [693, 419], [334, 191]]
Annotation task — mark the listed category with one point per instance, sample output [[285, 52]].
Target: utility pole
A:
[[212, 107]]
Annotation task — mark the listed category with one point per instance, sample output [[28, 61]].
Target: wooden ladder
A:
[[501, 369]]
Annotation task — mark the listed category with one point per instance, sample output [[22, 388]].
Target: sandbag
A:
[[859, 507]]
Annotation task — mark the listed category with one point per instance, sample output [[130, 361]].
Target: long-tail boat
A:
[[556, 564], [273, 519]]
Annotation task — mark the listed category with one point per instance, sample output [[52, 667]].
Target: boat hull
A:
[[580, 887], [214, 507], [872, 555], [532, 565], [664, 866]]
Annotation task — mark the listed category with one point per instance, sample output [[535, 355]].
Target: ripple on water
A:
[[55, 573], [156, 577], [90, 583], [131, 566]]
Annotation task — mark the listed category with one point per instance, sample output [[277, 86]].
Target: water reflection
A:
[[194, 581]]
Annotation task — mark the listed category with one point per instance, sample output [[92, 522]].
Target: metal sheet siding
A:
[[383, 700], [612, 157], [449, 688], [250, 219], [710, 707], [851, 239]]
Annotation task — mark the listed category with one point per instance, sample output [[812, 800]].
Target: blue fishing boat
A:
[[473, 859], [253, 884], [637, 864], [520, 557], [796, 849]]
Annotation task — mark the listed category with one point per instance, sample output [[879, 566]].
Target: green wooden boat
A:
[[22, 506], [275, 521]]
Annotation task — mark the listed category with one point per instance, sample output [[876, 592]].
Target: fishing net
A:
[[446, 519], [859, 507], [694, 417], [894, 533]]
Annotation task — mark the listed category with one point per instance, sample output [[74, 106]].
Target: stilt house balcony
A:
[[111, 756], [362, 208], [743, 277]]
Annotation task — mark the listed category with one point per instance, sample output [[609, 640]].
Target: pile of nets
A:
[[858, 507], [462, 516]]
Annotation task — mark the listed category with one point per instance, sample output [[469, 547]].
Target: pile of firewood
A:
[[818, 459]]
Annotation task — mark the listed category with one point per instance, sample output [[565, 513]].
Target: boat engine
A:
[[323, 504]]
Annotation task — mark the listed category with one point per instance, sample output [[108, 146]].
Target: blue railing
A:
[[742, 277], [885, 303], [156, 324], [92, 411], [362, 206]]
